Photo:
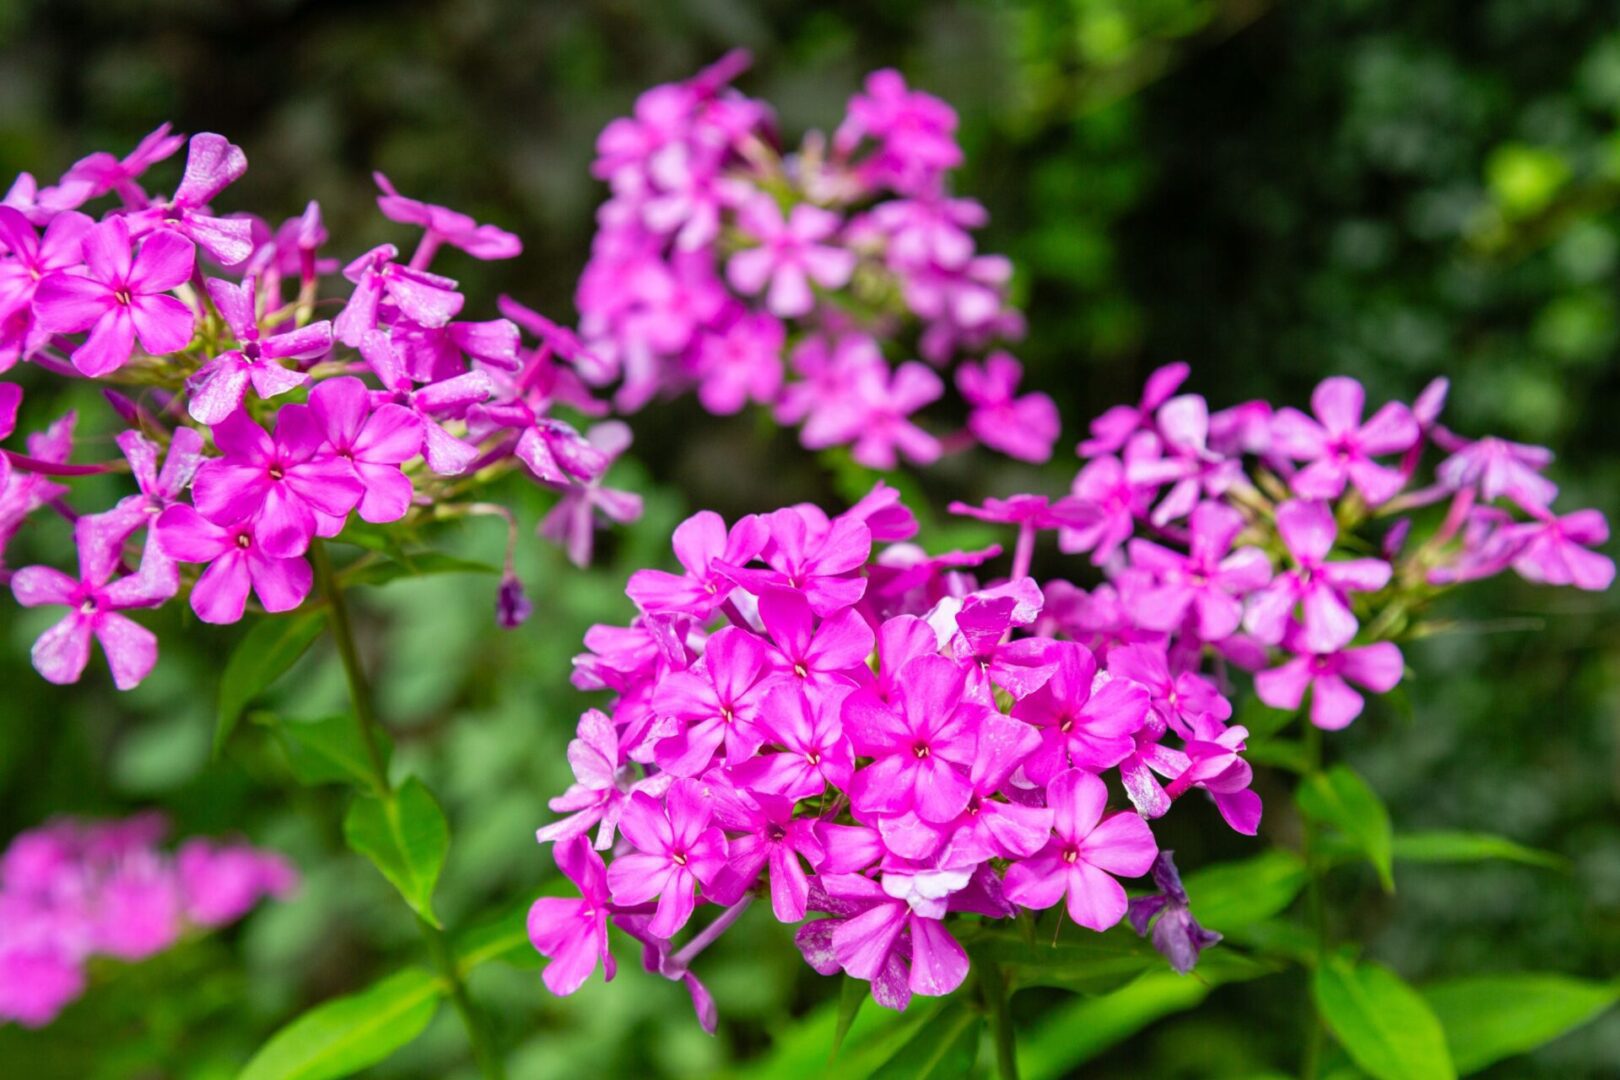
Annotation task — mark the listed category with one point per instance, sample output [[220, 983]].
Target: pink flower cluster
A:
[[258, 427], [73, 890], [870, 735], [1245, 534], [755, 276]]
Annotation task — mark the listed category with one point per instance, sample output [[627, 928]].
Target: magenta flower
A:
[[1496, 467], [94, 602], [1215, 766], [108, 531], [33, 258], [1114, 428], [572, 522], [1210, 580], [574, 933], [287, 484], [813, 555], [742, 363], [1085, 850], [212, 165], [1175, 701], [1082, 723], [237, 562], [922, 744], [990, 827], [444, 453], [1176, 933], [813, 752], [1316, 586], [1553, 550], [375, 442], [916, 133], [219, 386], [219, 883], [103, 173], [821, 658], [1109, 504], [881, 939], [701, 542], [1340, 447], [676, 849], [789, 257], [120, 298], [1020, 427], [422, 297], [1328, 675], [602, 784], [767, 834], [884, 402], [714, 702], [444, 226]]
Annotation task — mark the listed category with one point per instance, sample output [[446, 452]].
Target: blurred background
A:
[[1393, 189]]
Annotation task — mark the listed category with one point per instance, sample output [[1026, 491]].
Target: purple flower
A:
[[445, 226], [1083, 721], [821, 658], [1340, 447], [1317, 586], [1497, 467], [33, 258], [766, 834], [219, 883], [1020, 427], [424, 298], [813, 750], [883, 940], [375, 442], [94, 602], [1328, 675], [120, 298], [742, 363], [1085, 850], [237, 562], [1114, 428], [602, 783], [921, 745], [1214, 765], [573, 521], [712, 703], [1211, 579], [916, 133], [1109, 504], [103, 173], [212, 165], [701, 542], [218, 388], [573, 933], [790, 255], [1552, 550], [1176, 934], [876, 415], [288, 485], [1176, 701], [813, 555], [676, 849]]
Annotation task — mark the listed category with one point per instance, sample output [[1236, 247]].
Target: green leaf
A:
[[329, 750], [351, 1033], [1089, 963], [1387, 1028], [945, 1047], [406, 837], [1342, 799], [262, 656], [415, 564], [1452, 846], [1490, 1017], [1229, 896], [501, 939], [852, 994]]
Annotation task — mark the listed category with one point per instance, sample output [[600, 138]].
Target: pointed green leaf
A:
[[406, 837], [1490, 1017], [263, 656], [942, 1049], [329, 750], [1229, 896], [1384, 1025], [1450, 846], [347, 1034], [1341, 798], [852, 994]]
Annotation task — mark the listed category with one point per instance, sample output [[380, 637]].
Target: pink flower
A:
[[740, 364], [573, 933], [287, 485], [237, 562], [1340, 447], [33, 258], [1553, 550], [922, 744], [1114, 428], [701, 542], [1175, 701], [445, 454], [103, 173], [883, 403], [821, 658], [445, 226], [813, 555], [1086, 848], [1083, 722], [765, 833], [602, 783], [422, 297], [1215, 766], [1317, 586], [1020, 427], [219, 883], [573, 521], [218, 388], [789, 256], [1497, 467], [813, 750], [1211, 580], [1328, 675], [1109, 504], [917, 133], [374, 441], [676, 849], [94, 602], [120, 298], [714, 702], [881, 939], [212, 165]]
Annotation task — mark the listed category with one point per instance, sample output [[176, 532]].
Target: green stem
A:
[[993, 987], [365, 717], [1316, 1031]]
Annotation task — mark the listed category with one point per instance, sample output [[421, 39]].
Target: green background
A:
[[1274, 193]]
